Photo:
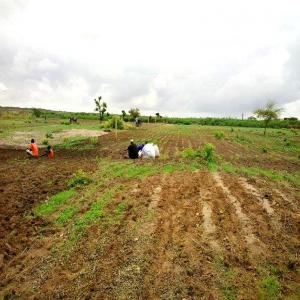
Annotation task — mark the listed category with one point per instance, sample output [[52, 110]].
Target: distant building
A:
[[251, 118]]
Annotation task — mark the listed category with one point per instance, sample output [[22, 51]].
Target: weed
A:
[[219, 135], [66, 215], [79, 178], [54, 202], [208, 153], [45, 142], [264, 150], [49, 135], [191, 153], [269, 288]]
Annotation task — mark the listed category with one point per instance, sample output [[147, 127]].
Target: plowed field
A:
[[166, 229]]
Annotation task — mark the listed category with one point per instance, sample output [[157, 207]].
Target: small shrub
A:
[[64, 123], [45, 142], [111, 123], [208, 153], [49, 135], [219, 135], [191, 153], [231, 129], [79, 178]]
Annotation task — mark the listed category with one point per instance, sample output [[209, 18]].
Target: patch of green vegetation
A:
[[118, 213], [74, 143], [54, 203], [269, 288], [66, 215], [95, 213], [79, 178], [281, 176], [45, 142], [49, 135], [226, 280], [219, 135], [190, 153]]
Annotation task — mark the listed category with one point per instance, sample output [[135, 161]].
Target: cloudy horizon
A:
[[178, 58]]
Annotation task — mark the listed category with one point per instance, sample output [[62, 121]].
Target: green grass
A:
[[66, 215], [269, 288], [226, 280], [78, 179], [54, 203], [95, 213], [280, 176]]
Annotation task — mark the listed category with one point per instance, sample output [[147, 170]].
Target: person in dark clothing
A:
[[133, 152]]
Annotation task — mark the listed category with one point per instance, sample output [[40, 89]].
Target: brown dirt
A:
[[178, 234]]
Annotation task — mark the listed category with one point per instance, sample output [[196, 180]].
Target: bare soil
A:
[[178, 235]]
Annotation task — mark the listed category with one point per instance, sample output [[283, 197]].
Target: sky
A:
[[179, 58]]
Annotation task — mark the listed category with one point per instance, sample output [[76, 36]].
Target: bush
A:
[[264, 150], [209, 153], [111, 123], [79, 178], [45, 142], [191, 153], [36, 112], [219, 135]]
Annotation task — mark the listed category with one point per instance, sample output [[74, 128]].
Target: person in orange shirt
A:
[[33, 150], [49, 152]]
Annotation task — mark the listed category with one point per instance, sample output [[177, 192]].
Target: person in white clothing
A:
[[150, 150]]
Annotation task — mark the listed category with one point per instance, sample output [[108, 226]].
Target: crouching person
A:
[[49, 152], [33, 150], [150, 150], [132, 150]]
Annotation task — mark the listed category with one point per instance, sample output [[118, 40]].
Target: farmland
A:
[[91, 224]]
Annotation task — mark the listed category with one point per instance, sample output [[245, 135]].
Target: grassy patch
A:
[[79, 178], [269, 288], [219, 135], [280, 176], [66, 215], [226, 280], [54, 203], [190, 153], [95, 213]]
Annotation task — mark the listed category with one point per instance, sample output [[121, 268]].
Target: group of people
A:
[[33, 150], [147, 150]]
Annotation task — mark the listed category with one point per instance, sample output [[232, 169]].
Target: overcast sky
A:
[[179, 58]]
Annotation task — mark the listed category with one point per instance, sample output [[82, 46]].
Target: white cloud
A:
[[176, 57]]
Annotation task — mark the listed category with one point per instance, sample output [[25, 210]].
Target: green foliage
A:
[[190, 153], [219, 135], [209, 153], [111, 123], [95, 212], [54, 203], [36, 112], [264, 150], [270, 112], [134, 113], [66, 215], [269, 288], [45, 142], [79, 178], [101, 108]]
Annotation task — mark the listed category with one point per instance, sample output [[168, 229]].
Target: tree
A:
[[36, 112], [123, 114], [270, 112], [134, 112], [100, 108], [157, 115]]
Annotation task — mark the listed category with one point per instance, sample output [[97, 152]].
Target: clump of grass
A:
[[219, 135], [66, 216], [264, 150], [190, 153], [115, 120], [269, 288], [79, 178], [54, 202], [45, 142], [49, 135], [209, 153]]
